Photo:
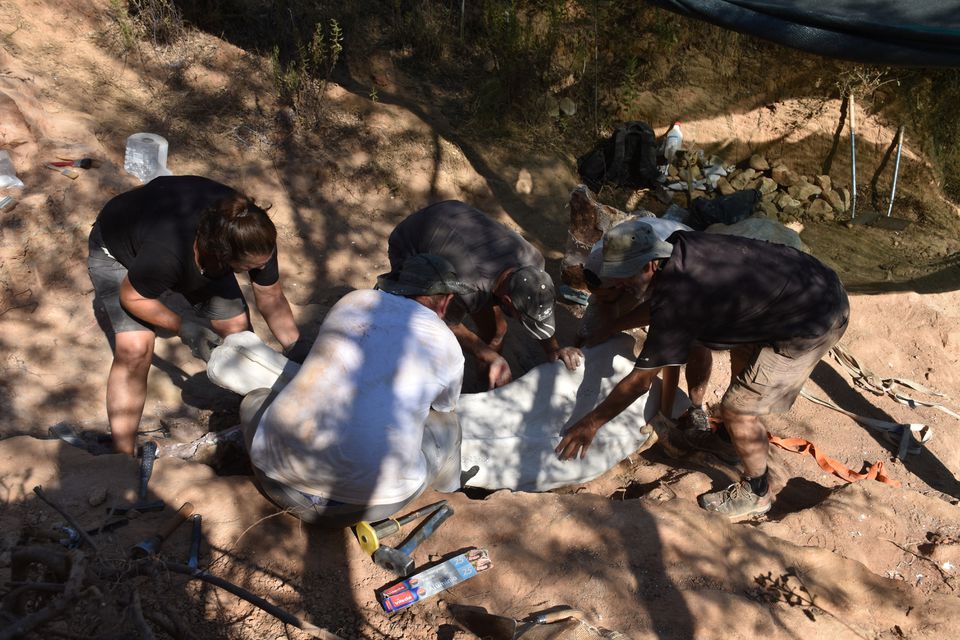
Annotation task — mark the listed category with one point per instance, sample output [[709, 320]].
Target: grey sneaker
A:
[[736, 501], [707, 440]]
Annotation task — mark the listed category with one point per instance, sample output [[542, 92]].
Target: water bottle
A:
[[146, 156], [673, 141]]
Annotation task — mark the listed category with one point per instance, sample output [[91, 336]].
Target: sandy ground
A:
[[631, 549]]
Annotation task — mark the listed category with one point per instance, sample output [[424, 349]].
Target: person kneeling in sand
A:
[[368, 422]]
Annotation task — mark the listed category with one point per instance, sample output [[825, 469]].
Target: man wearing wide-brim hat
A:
[[367, 423], [778, 311]]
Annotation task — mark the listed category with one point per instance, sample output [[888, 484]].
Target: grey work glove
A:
[[199, 338], [299, 350]]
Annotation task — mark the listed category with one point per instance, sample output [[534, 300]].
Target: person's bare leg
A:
[[749, 437], [230, 326], [698, 370], [751, 496], [127, 387], [668, 390]]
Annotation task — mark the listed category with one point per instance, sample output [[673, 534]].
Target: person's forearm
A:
[[148, 310], [638, 317], [276, 312], [472, 344], [550, 345], [634, 385]]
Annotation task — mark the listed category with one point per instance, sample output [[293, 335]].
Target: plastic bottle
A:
[[8, 174], [146, 156], [672, 142]]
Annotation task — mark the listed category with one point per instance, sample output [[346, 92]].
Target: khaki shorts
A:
[[771, 381]]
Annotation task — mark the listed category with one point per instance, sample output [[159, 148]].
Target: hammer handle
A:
[[148, 456], [184, 512], [390, 526], [426, 529]]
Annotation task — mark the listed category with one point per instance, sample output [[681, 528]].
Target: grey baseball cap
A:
[[532, 294], [424, 274], [630, 245]]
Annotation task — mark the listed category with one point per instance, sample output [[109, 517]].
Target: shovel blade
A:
[[483, 624], [867, 217], [890, 224]]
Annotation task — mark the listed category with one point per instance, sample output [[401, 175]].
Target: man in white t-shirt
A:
[[367, 424]]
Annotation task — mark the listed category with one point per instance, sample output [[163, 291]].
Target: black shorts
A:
[[221, 300]]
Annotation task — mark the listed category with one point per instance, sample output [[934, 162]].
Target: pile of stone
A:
[[785, 195], [590, 219]]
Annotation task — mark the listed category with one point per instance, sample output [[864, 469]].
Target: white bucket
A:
[[146, 156]]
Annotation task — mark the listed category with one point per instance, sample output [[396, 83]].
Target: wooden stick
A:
[[136, 613], [280, 614], [26, 623], [73, 523]]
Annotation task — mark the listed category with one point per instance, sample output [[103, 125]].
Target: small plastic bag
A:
[[8, 174]]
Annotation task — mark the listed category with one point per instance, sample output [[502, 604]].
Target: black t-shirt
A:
[[478, 247], [725, 291], [151, 231]]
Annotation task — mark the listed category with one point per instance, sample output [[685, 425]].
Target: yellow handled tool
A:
[[369, 534]]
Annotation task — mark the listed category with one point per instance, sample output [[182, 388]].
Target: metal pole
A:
[[896, 170], [853, 160], [463, 16]]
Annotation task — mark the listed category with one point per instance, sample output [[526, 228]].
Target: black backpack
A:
[[628, 158]]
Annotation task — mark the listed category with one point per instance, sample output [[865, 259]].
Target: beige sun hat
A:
[[630, 245]]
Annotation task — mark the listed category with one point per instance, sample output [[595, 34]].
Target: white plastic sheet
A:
[[510, 433], [244, 363]]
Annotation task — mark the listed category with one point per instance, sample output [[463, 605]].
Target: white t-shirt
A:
[[349, 426]]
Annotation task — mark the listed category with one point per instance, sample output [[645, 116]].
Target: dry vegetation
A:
[[346, 116]]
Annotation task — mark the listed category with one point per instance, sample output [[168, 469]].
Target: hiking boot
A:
[[736, 501], [707, 440]]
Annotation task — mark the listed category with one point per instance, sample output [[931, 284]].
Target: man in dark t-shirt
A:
[[504, 271], [189, 235], [778, 311]]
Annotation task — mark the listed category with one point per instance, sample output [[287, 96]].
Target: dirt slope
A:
[[631, 548]]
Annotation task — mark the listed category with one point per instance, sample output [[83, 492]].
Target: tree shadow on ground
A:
[[924, 465]]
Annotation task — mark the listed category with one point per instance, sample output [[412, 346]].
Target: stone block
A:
[[741, 179], [759, 163], [803, 191], [769, 209], [767, 186], [783, 176], [821, 208], [724, 187], [834, 198], [784, 200]]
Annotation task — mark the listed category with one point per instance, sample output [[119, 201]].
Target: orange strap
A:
[[837, 468]]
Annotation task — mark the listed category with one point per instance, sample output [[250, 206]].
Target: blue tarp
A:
[[915, 33]]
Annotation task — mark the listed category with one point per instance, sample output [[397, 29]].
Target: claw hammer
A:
[[151, 545], [398, 560]]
